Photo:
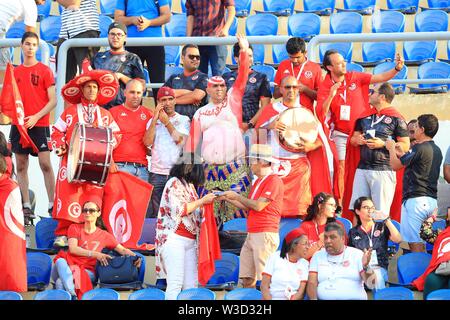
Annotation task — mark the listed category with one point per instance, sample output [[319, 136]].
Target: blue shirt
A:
[[146, 8]]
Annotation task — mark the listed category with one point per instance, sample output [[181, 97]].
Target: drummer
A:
[[216, 127], [296, 165], [85, 93]]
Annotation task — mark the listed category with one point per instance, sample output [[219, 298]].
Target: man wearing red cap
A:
[[166, 137], [85, 92], [217, 125]]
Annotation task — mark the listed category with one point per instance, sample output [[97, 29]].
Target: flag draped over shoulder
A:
[[12, 106], [13, 261], [209, 246], [125, 202]]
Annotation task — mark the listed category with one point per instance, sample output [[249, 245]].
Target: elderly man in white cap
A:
[[265, 203], [217, 128]]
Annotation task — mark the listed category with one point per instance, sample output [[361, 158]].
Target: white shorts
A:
[[340, 140], [414, 212]]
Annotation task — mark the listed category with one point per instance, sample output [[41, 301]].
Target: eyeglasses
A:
[[368, 208], [218, 86], [193, 57], [118, 35], [290, 87], [372, 91], [90, 210]]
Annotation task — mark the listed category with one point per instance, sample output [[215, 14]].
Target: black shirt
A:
[[385, 127], [197, 80], [423, 164], [359, 239], [257, 86]]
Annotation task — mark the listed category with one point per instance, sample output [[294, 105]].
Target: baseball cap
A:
[[165, 92], [117, 25]]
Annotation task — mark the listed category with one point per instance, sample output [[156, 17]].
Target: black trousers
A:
[[155, 57]]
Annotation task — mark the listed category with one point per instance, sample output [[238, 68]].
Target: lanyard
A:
[[377, 121], [371, 235], [344, 96], [81, 111], [299, 74], [257, 187]]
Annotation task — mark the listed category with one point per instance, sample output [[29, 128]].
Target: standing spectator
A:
[[145, 19], [124, 64], [286, 272], [373, 234], [338, 272], [264, 204], [165, 136], [412, 126], [447, 166], [422, 165], [178, 226], [133, 120], [37, 89], [79, 19], [6, 153], [346, 96], [190, 86], [257, 91], [307, 73], [207, 19], [373, 176]]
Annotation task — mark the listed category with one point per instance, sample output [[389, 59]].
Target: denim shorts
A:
[[414, 212]]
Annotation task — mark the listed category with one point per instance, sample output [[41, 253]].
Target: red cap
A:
[[294, 234], [165, 92]]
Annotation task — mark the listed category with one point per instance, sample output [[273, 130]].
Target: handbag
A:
[[120, 271], [232, 240], [443, 269]]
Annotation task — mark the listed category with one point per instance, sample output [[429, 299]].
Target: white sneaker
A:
[[61, 241]]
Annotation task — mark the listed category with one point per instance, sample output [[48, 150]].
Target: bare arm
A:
[[75, 249], [119, 16], [30, 121], [231, 13], [311, 288], [394, 160], [149, 136], [447, 172], [388, 75], [404, 143], [276, 92], [193, 97], [256, 205], [357, 139], [395, 234], [192, 206], [308, 91], [163, 18], [327, 102], [265, 287], [189, 26]]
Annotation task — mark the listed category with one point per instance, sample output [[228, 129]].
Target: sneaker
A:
[[61, 241]]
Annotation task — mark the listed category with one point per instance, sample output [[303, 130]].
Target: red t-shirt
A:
[[33, 83], [268, 220], [310, 76], [96, 241], [355, 89], [133, 125]]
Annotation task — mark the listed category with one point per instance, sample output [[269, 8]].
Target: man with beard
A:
[[124, 64], [190, 86]]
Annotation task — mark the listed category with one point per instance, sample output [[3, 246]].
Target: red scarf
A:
[[351, 163]]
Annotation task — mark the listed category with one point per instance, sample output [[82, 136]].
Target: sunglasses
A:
[[90, 210], [193, 57]]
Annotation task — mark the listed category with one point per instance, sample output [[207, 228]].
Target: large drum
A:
[[90, 154], [302, 126]]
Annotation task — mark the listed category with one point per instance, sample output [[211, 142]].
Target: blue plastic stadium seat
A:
[[431, 21], [365, 7], [354, 67], [286, 226], [170, 70], [104, 23], [439, 4], [148, 294], [107, 7], [239, 224], [264, 24], [347, 223], [172, 55], [374, 53], [393, 293], [404, 6], [304, 25], [434, 70], [196, 294], [269, 71], [411, 266], [177, 26], [44, 10], [56, 294], [418, 52], [388, 21], [344, 48], [258, 53], [279, 53], [101, 294], [49, 29], [243, 294], [278, 7], [243, 8], [148, 231], [346, 22], [10, 295], [39, 266], [443, 294], [45, 233], [320, 7], [226, 273], [16, 30]]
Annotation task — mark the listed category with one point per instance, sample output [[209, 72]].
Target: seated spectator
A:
[[74, 270], [373, 234], [286, 272], [412, 126], [434, 278], [178, 226], [338, 272]]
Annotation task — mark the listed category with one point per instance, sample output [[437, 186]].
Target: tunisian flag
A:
[[209, 245], [125, 202], [12, 106], [13, 260]]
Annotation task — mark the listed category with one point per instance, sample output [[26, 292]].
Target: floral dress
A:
[[172, 211]]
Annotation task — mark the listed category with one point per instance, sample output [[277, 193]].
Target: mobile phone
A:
[[219, 193], [367, 136]]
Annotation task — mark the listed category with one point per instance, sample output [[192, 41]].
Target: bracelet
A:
[[397, 69], [89, 253], [250, 125]]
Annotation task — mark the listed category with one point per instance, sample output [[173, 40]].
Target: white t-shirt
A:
[[165, 152], [17, 10], [339, 277], [284, 275]]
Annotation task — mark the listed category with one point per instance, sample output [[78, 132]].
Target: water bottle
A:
[[28, 240]]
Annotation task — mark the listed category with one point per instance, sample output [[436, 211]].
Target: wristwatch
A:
[[250, 125], [398, 69]]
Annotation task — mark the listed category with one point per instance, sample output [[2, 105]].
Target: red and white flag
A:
[[209, 245], [125, 202], [12, 106], [13, 259]]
